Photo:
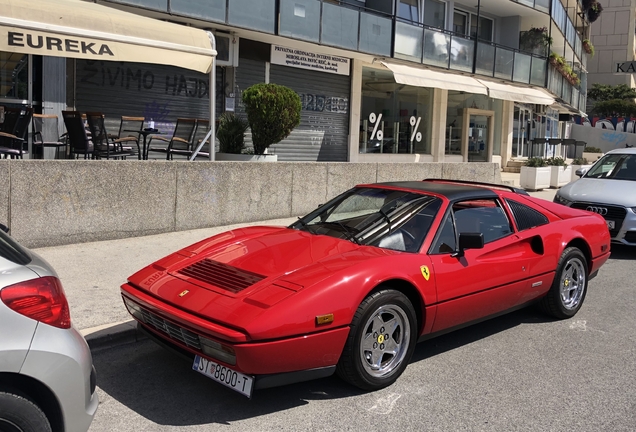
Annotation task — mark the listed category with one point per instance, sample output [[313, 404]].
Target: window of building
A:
[[435, 13], [408, 9], [14, 76], [395, 118], [464, 21]]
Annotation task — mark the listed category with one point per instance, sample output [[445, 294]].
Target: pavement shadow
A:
[[623, 252], [160, 386]]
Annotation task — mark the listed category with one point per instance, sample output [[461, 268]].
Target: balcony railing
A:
[[445, 49], [541, 5], [570, 94]]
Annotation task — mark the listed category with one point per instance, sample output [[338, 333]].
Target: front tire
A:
[[381, 341], [18, 414], [569, 288]]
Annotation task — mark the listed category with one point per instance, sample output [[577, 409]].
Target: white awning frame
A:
[[419, 77]]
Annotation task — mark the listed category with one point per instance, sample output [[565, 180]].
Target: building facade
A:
[[379, 80]]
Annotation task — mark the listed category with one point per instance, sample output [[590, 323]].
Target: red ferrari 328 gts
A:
[[351, 287]]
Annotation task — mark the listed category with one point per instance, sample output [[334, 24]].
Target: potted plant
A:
[[560, 172], [536, 40], [231, 134], [588, 47], [273, 111], [592, 153], [577, 164], [535, 174], [594, 12]]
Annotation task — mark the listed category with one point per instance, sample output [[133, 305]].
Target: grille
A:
[[221, 275], [525, 216], [615, 213], [184, 336]]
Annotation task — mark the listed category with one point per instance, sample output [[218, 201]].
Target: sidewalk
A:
[[92, 273]]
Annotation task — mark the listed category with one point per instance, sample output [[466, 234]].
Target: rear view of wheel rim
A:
[[385, 341], [572, 283]]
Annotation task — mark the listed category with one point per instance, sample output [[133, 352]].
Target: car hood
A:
[[605, 191], [234, 278]]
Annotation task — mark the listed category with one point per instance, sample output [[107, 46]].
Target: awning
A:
[[79, 29], [429, 78], [516, 93]]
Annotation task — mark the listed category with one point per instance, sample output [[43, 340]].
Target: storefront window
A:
[[478, 125], [396, 118], [14, 76]]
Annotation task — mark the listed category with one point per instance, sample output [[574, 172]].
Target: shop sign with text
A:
[[309, 60]]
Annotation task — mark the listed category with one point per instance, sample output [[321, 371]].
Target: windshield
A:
[[384, 218], [614, 166]]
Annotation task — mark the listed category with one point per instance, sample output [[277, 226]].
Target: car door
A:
[[478, 282]]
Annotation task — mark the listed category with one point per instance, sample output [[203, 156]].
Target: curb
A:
[[112, 335]]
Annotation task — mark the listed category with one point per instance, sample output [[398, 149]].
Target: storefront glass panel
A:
[[478, 138], [396, 118], [14, 76]]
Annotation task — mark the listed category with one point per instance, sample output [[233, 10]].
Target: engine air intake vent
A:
[[221, 275]]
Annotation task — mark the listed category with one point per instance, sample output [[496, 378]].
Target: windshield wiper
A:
[[347, 231]]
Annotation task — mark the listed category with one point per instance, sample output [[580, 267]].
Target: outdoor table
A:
[[145, 133]]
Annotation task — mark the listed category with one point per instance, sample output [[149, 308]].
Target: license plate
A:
[[224, 375], [610, 224]]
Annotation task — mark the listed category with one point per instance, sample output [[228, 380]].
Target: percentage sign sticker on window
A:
[[376, 134], [415, 123]]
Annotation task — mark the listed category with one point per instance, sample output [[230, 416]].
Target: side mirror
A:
[[581, 172], [469, 241], [4, 228]]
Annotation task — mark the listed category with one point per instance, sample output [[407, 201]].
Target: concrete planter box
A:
[[577, 167], [535, 178], [592, 157], [560, 176], [246, 157]]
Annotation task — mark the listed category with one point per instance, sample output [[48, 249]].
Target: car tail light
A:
[[41, 299]]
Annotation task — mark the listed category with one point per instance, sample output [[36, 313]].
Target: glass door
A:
[[521, 131], [478, 137]]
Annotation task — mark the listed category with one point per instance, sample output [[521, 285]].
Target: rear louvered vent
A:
[[525, 216], [221, 275]]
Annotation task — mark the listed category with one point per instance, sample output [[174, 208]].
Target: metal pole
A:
[[211, 134]]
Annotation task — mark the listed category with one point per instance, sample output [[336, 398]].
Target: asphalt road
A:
[[519, 372]]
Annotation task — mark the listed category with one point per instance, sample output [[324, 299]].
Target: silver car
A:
[[609, 189], [47, 378]]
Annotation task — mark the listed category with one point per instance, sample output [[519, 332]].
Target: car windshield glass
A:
[[12, 251], [371, 215], [614, 166]]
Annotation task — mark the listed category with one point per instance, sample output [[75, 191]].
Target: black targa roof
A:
[[453, 192]]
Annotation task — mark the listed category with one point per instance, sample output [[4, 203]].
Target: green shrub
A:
[[580, 161], [231, 133], [590, 149], [536, 162], [273, 111], [556, 161]]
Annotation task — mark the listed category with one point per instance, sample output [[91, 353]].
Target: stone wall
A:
[[50, 203]]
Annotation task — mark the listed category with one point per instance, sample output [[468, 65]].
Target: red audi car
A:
[[351, 287]]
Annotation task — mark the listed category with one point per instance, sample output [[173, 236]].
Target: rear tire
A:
[[569, 288], [381, 341], [18, 414]]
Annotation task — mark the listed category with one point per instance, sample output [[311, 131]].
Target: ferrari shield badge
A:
[[425, 272], [184, 292]]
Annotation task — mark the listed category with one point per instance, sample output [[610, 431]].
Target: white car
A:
[[609, 189], [47, 378]]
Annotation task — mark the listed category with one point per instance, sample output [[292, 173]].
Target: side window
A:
[[446, 241], [482, 216]]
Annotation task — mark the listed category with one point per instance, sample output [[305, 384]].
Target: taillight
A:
[[41, 299]]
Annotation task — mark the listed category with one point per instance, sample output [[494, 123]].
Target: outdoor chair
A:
[[79, 141], [105, 146], [179, 143], [12, 144], [203, 127], [46, 134], [129, 132]]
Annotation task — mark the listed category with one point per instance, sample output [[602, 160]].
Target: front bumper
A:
[[624, 219], [280, 356]]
